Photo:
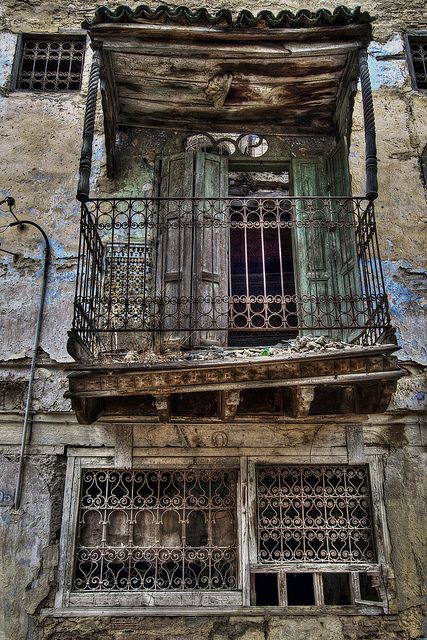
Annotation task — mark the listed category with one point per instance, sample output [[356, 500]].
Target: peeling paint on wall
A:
[[387, 63]]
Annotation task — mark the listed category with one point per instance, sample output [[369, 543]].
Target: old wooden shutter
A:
[[314, 249], [192, 250], [351, 308]]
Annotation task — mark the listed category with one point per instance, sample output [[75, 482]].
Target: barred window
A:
[[313, 524], [417, 58], [161, 530], [314, 513], [51, 63]]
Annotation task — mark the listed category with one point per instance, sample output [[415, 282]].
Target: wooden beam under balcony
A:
[[356, 380]]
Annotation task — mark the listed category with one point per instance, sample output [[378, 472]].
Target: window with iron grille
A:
[[416, 46], [156, 530], [313, 524], [51, 63], [314, 513]]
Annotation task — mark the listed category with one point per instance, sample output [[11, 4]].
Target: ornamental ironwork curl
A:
[[314, 513], [157, 530], [121, 284]]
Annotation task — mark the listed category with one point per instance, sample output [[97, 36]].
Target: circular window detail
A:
[[253, 145]]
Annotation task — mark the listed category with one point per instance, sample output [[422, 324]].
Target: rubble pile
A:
[[304, 344]]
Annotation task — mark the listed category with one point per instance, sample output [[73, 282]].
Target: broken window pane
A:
[[300, 589], [266, 589], [336, 588]]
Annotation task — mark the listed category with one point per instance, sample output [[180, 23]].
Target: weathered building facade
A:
[[217, 432]]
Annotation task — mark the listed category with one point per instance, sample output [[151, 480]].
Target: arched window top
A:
[[250, 145]]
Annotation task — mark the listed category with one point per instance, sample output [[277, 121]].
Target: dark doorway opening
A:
[[261, 281]]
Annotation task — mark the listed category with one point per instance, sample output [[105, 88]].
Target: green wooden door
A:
[[314, 248], [351, 306], [192, 258]]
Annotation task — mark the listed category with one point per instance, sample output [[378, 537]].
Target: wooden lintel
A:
[[230, 401], [163, 408], [100, 32]]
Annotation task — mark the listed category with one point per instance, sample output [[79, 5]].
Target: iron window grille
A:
[[156, 530], [51, 63], [314, 514], [416, 47]]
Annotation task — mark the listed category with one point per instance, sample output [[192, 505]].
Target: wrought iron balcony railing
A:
[[227, 271]]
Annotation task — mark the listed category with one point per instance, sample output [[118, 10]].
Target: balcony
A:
[[171, 274], [232, 271]]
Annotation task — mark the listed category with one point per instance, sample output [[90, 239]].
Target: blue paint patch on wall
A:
[[406, 287], [387, 63]]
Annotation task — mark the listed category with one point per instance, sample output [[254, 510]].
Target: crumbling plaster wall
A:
[[41, 136], [39, 147]]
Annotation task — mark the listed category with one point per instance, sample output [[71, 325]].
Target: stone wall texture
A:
[[40, 140]]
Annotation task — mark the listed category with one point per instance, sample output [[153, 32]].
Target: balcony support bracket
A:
[[230, 401]]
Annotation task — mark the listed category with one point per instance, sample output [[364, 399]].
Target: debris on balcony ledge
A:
[[309, 376], [305, 344]]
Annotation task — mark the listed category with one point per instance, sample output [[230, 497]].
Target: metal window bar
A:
[[157, 530], [116, 296], [313, 513], [418, 52], [51, 64]]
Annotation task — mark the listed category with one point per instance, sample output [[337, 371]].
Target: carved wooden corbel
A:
[[218, 88], [163, 406], [230, 401]]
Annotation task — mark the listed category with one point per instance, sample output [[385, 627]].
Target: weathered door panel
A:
[[210, 250], [192, 254], [347, 269], [314, 245], [175, 239]]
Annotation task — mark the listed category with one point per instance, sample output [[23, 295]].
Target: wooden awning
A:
[[177, 68]]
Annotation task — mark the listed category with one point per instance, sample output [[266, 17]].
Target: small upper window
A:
[[417, 55], [51, 63]]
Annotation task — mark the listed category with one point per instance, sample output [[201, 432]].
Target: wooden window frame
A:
[[214, 603]]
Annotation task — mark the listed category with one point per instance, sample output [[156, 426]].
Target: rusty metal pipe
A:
[[19, 481]]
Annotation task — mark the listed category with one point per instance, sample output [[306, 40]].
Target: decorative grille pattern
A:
[[127, 284], [266, 236], [314, 513], [157, 530], [418, 46], [51, 64]]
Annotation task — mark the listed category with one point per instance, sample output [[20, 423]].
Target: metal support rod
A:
[[88, 129], [24, 438], [369, 122]]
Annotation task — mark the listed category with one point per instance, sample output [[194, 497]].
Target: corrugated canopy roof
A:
[[190, 69]]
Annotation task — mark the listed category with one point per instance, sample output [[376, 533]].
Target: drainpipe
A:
[[19, 482]]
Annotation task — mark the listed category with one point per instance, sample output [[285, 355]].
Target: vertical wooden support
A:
[[88, 129], [369, 122], [124, 446], [355, 445]]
